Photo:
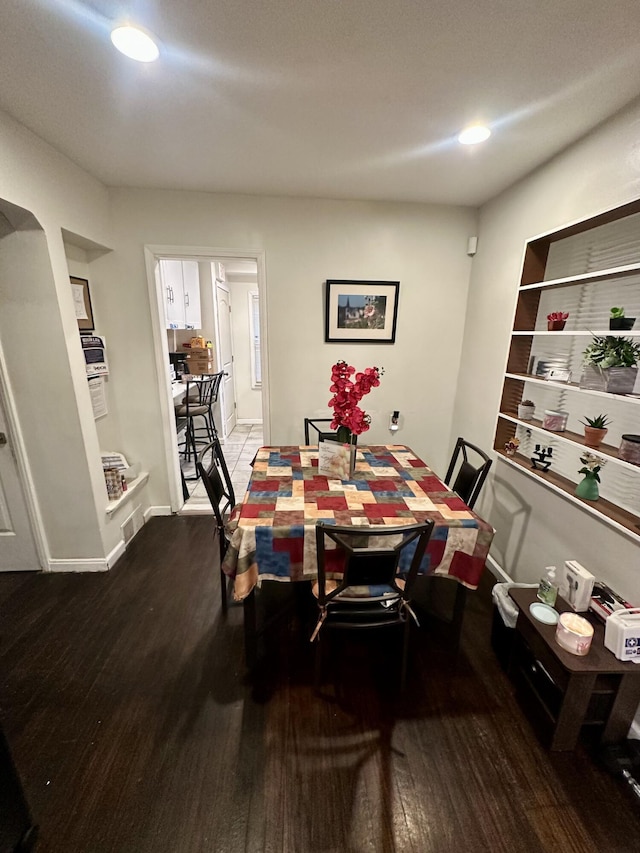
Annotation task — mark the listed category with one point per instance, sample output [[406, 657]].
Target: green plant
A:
[[599, 422], [527, 403], [616, 313], [612, 351]]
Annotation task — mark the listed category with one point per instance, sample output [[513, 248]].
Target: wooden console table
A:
[[561, 692]]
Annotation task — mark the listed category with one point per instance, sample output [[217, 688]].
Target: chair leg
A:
[[458, 613], [317, 674], [224, 592], [405, 654], [250, 630]]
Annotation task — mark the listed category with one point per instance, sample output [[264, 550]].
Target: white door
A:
[[225, 357], [17, 546]]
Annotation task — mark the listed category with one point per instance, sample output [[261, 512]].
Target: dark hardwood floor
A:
[[124, 699]]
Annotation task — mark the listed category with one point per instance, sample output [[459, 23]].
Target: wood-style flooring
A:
[[125, 701]]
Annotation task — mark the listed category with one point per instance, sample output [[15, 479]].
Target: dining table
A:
[[273, 531]]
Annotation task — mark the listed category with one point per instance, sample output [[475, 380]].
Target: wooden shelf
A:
[[573, 438], [615, 516], [575, 334], [599, 275], [571, 386]]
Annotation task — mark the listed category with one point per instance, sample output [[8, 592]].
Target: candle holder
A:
[[541, 459]]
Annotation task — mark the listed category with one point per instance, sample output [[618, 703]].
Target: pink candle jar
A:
[[555, 421], [574, 633]]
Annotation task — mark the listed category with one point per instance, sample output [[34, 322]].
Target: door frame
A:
[[19, 451], [153, 253]]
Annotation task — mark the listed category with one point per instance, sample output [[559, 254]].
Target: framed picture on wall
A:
[[82, 303], [361, 311]]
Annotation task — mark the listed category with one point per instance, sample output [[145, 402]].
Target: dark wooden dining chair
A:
[[213, 471], [469, 475], [323, 434], [465, 476], [365, 583]]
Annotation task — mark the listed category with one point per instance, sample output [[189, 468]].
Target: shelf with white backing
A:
[[572, 438], [571, 386], [603, 255], [586, 278], [132, 487], [574, 334]]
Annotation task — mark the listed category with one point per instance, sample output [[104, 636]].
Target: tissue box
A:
[[576, 586]]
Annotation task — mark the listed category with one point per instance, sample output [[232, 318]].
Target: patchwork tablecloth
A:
[[275, 534]]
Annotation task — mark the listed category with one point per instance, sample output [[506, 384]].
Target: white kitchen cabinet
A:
[[181, 288]]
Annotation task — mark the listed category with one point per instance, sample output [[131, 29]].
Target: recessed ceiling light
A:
[[474, 134], [135, 43]]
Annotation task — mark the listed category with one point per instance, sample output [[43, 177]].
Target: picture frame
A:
[[361, 311], [82, 303]]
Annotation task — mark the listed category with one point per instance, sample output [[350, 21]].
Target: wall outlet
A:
[[394, 421]]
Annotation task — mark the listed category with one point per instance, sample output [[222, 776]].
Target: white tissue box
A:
[[576, 586]]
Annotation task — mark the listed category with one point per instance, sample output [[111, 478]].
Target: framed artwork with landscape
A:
[[361, 311]]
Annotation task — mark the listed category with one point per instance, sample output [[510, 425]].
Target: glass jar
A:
[[629, 449], [555, 421]]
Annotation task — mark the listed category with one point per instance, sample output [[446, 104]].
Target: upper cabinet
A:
[[582, 270], [181, 288]]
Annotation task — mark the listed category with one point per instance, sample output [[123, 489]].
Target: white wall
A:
[[535, 527], [49, 385], [305, 242]]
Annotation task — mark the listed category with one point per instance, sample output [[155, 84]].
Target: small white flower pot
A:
[[526, 413]]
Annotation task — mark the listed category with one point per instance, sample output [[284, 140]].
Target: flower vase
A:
[[588, 488]]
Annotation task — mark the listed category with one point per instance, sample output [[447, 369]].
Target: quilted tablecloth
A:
[[275, 534]]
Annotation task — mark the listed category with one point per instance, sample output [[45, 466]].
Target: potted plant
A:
[[595, 430], [618, 322], [610, 364], [556, 320], [526, 410], [511, 446]]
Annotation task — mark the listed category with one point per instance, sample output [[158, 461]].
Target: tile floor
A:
[[239, 448]]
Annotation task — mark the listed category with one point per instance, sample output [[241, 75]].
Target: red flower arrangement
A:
[[558, 315], [348, 417]]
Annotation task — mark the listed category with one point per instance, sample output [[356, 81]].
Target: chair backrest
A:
[[469, 477], [214, 473], [323, 434], [364, 559]]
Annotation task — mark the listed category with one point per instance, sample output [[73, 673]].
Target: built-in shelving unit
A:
[[585, 268], [132, 487]]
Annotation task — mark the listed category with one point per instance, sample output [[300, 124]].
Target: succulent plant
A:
[[528, 403], [598, 422], [611, 351]]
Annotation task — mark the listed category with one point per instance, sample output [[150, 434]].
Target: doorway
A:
[[236, 326]]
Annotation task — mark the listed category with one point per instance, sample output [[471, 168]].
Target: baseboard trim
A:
[[157, 510], [116, 553], [98, 565], [497, 570], [244, 421]]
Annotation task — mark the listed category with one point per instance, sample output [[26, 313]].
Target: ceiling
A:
[[358, 99]]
